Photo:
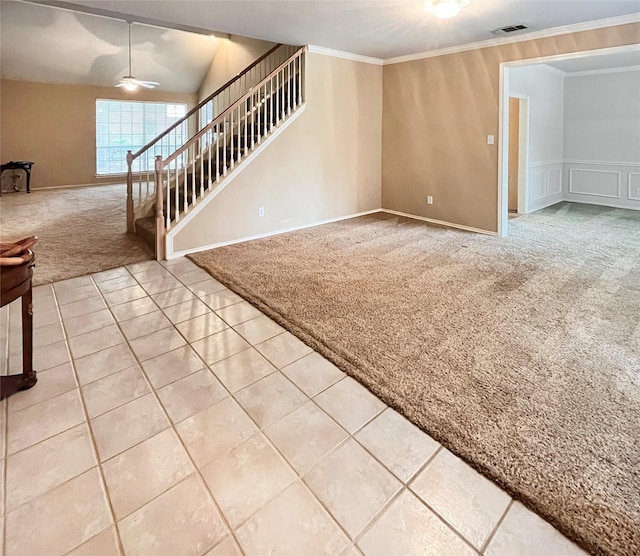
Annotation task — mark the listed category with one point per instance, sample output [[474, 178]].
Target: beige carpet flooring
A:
[[522, 355], [80, 230]]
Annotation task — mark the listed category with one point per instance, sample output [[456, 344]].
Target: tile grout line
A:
[[432, 509], [369, 525], [70, 362], [300, 475], [404, 486], [5, 445], [87, 422], [94, 447], [3, 502], [341, 443], [494, 532], [260, 431], [172, 426]]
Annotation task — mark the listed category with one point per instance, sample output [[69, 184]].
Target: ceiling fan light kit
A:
[[130, 83], [445, 9]]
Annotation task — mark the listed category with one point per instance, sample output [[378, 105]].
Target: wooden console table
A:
[[16, 272], [24, 165]]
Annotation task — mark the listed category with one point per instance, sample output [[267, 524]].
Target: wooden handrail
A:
[[205, 101], [238, 102]]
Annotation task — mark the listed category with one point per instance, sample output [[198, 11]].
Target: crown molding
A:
[[554, 31], [345, 55], [603, 70]]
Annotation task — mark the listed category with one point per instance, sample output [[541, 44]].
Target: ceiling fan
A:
[[130, 83]]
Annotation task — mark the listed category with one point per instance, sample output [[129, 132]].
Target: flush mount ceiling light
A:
[[445, 9], [130, 83]]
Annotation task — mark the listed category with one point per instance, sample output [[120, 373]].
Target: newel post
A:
[[159, 211], [130, 215]]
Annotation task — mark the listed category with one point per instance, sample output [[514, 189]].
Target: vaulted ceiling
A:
[[45, 44]]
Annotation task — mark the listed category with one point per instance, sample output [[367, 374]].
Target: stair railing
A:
[[141, 164], [214, 151]]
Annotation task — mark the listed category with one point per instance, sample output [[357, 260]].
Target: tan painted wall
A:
[[233, 55], [326, 164], [55, 126], [437, 113]]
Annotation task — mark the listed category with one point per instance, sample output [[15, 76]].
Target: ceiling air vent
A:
[[509, 29]]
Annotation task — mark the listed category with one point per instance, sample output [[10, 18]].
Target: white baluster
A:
[[217, 152], [293, 85], [176, 208], [270, 104], [261, 106], [246, 117], [277, 98], [253, 97], [231, 162], [224, 147], [289, 88], [238, 135], [208, 162], [193, 177], [167, 219], [300, 65]]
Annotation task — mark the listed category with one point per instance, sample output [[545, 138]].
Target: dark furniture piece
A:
[[24, 165], [16, 271]]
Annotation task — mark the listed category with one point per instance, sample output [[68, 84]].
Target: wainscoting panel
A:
[[596, 183], [613, 184], [554, 178], [633, 183], [545, 185]]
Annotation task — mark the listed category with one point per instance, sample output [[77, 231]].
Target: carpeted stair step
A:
[[146, 230]]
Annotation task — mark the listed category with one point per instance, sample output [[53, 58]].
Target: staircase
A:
[[191, 161]]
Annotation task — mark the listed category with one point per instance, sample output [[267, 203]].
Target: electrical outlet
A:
[[429, 200], [260, 212]]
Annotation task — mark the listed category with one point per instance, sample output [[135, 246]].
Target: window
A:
[[129, 125]]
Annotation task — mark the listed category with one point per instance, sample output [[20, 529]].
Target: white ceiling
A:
[[47, 44], [378, 28], [599, 62]]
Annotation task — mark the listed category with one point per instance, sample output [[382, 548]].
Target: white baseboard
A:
[[546, 202], [77, 185], [175, 255], [600, 204], [440, 222]]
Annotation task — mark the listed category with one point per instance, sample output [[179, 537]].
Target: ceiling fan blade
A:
[[147, 84]]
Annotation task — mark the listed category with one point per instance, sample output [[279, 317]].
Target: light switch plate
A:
[[490, 139]]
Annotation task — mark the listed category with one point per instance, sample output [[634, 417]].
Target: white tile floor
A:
[[171, 417]]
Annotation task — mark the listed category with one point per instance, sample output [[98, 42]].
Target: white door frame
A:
[[503, 122]]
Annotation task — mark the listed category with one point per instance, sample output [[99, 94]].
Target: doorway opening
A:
[[518, 153], [528, 181]]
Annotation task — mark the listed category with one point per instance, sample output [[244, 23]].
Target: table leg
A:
[[14, 383], [28, 172]]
